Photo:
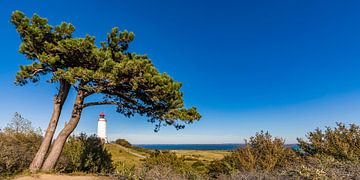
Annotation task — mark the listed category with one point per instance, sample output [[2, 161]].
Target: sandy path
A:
[[130, 152], [61, 177]]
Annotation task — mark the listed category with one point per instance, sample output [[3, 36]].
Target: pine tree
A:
[[37, 36], [122, 78]]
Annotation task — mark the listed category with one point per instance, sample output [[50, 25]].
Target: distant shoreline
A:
[[227, 147]]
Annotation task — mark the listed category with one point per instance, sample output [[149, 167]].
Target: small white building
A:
[[101, 131]]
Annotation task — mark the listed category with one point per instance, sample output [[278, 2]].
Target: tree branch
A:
[[101, 103], [112, 103], [37, 71]]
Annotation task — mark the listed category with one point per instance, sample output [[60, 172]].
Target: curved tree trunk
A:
[[59, 100], [58, 145]]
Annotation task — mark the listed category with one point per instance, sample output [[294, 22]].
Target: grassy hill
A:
[[202, 155], [132, 156], [128, 156]]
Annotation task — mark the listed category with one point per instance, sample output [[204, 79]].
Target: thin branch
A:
[[101, 103], [37, 71], [112, 103]]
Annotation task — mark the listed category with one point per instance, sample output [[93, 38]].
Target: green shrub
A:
[[164, 173], [123, 142], [70, 159], [261, 152], [168, 160], [85, 154], [341, 142], [139, 149], [198, 164], [164, 158], [225, 166], [19, 142], [200, 168], [128, 171], [268, 152]]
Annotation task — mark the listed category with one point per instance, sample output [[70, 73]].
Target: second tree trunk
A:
[[59, 143], [59, 100]]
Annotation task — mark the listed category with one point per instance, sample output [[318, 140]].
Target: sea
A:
[[227, 147], [190, 146]]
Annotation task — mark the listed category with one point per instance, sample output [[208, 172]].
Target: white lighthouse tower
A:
[[101, 131]]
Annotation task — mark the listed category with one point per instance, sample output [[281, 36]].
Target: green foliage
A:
[[18, 144], [125, 79], [125, 170], [261, 153], [329, 154], [85, 154], [341, 142], [199, 167], [142, 150], [163, 172], [162, 159], [123, 142], [38, 42], [71, 156], [224, 166], [269, 152], [125, 163]]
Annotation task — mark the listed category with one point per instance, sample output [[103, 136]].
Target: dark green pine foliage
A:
[[123, 78]]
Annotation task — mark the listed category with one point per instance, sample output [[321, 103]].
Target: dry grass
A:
[[119, 154], [61, 177], [202, 155]]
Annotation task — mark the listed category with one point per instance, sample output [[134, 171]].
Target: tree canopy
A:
[[123, 78]]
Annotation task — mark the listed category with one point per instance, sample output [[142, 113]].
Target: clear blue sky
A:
[[282, 66]]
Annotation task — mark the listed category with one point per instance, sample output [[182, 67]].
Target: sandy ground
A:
[[61, 177]]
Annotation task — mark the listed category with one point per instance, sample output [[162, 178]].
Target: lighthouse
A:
[[101, 131]]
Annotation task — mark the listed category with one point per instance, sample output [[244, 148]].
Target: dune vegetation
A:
[[330, 153]]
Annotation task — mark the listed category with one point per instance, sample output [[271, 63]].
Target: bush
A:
[[266, 153], [168, 161], [343, 143], [329, 154], [261, 152], [198, 165], [19, 142], [123, 142], [163, 173], [85, 154], [163, 158], [121, 169], [324, 167]]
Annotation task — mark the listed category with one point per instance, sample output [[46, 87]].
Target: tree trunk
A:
[[58, 145], [59, 100]]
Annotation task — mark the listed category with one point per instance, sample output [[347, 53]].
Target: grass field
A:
[[118, 153], [203, 155], [126, 155]]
